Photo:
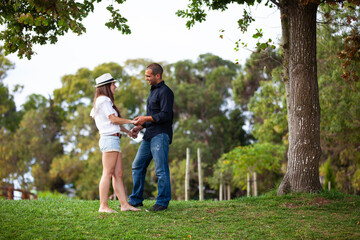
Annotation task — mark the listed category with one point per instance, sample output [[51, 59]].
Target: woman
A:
[[108, 121]]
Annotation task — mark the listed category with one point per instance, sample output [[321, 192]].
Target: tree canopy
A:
[[31, 22]]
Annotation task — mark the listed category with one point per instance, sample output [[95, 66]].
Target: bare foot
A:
[[129, 208], [107, 210]]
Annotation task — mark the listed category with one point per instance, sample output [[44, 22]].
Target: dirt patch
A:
[[319, 201], [291, 205]]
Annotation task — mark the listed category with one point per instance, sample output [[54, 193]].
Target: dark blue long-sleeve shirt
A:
[[160, 107]]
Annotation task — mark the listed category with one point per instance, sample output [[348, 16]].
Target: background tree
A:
[[340, 127], [9, 121], [259, 158], [300, 77], [34, 144], [9, 117], [269, 119], [203, 118], [260, 87], [257, 68], [267, 105], [49, 146], [269, 113]]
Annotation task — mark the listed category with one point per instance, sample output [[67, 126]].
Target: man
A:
[[157, 138]]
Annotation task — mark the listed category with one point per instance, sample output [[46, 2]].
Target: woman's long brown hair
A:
[[105, 90]]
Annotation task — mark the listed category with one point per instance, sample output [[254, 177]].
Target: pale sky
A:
[[157, 34]]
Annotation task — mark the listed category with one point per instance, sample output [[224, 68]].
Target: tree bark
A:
[[303, 106]]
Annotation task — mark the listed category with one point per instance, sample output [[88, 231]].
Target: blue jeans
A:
[[157, 148]]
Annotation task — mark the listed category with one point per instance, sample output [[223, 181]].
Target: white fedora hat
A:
[[104, 79]]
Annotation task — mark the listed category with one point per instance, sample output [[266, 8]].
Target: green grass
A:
[[329, 215]]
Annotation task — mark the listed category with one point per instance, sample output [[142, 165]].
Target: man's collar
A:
[[158, 85]]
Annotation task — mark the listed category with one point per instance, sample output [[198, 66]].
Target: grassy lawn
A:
[[329, 215]]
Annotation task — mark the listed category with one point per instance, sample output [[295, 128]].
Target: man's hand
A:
[[140, 120]]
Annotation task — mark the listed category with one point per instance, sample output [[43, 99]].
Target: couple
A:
[[155, 145]]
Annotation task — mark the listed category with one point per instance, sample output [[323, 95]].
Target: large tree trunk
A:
[[303, 106]]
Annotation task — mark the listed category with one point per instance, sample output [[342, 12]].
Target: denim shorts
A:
[[109, 143]]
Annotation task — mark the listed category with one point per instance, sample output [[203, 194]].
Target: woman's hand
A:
[[117, 120], [130, 134], [135, 131]]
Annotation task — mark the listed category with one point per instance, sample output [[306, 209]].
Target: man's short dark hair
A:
[[156, 69]]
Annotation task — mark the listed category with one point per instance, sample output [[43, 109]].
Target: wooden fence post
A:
[[10, 193], [255, 193], [187, 174], [228, 192], [221, 188], [248, 185], [329, 185], [201, 190]]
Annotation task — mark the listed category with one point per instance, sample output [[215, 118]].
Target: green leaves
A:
[[117, 21], [41, 22], [259, 34], [262, 45], [340, 128], [26, 19], [253, 158], [245, 22], [195, 13], [270, 113]]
